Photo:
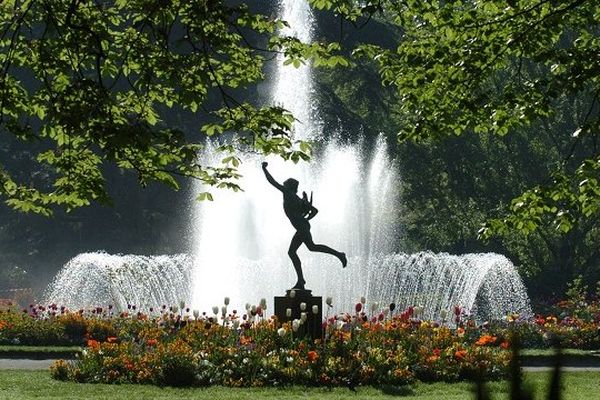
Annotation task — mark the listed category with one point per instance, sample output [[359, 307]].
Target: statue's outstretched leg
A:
[[294, 246], [321, 248]]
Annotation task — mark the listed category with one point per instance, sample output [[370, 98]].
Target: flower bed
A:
[[393, 351], [174, 346]]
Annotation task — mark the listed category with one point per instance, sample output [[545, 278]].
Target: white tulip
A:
[[303, 317], [315, 309], [363, 300], [215, 310], [281, 331], [226, 301], [302, 306], [288, 312], [292, 294]]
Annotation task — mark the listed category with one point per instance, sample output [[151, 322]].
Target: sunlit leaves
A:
[[94, 82], [205, 196], [298, 53], [561, 202]]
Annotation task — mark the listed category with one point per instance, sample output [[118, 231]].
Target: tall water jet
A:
[[99, 279], [242, 239]]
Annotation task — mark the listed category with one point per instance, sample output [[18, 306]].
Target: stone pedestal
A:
[[293, 302]]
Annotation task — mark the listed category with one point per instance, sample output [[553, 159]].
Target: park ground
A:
[[23, 384]]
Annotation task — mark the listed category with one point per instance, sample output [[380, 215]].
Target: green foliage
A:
[[91, 83], [491, 66], [577, 291]]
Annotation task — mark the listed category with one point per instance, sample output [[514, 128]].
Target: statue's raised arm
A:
[[270, 178]]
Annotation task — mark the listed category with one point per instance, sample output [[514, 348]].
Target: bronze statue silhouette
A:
[[299, 211]]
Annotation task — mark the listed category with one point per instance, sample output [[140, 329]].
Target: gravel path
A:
[[25, 364]]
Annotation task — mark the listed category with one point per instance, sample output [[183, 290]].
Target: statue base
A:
[[289, 308]]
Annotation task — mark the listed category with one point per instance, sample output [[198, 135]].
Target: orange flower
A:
[[460, 332], [151, 342], [485, 340], [94, 344], [244, 340], [111, 339], [312, 356], [505, 345], [433, 358], [460, 354]]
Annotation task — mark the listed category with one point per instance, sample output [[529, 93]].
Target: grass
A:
[[38, 349], [550, 352], [20, 385]]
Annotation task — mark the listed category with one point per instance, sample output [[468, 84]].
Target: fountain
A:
[[241, 239], [99, 279], [438, 282]]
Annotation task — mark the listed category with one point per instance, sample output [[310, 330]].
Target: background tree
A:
[[521, 75], [495, 66]]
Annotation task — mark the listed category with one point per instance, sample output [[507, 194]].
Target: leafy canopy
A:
[[495, 66], [87, 83]]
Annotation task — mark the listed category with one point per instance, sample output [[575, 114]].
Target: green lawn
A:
[[38, 349], [566, 352], [17, 385]]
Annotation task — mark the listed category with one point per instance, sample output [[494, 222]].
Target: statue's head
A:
[[291, 184]]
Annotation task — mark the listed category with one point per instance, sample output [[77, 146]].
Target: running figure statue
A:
[[300, 211]]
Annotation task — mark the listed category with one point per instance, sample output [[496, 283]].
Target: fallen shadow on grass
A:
[[396, 390]]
